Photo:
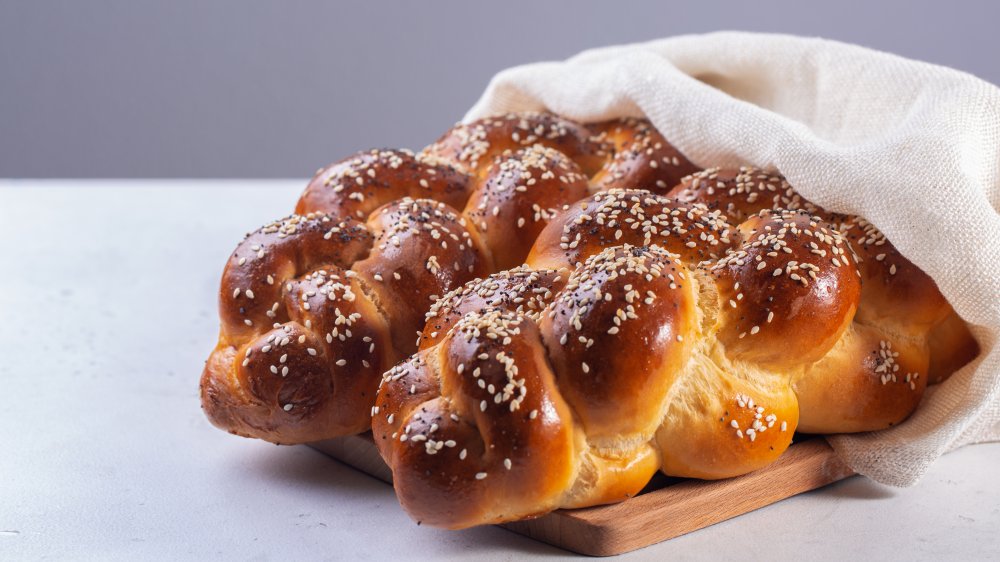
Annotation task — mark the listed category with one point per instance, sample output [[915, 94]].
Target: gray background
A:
[[231, 88]]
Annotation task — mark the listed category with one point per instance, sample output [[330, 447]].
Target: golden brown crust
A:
[[904, 305], [647, 331], [788, 284], [474, 428], [623, 298], [791, 284], [739, 193], [521, 192], [273, 373], [266, 259], [630, 216], [867, 383], [642, 158], [724, 421], [894, 290], [422, 250], [952, 346], [473, 146], [522, 290], [305, 277], [899, 305], [359, 184]]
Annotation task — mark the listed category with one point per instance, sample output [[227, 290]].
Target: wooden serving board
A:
[[666, 508]]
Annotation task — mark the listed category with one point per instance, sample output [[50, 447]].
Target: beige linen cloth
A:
[[913, 147]]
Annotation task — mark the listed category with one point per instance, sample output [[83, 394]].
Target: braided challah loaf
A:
[[599, 310]]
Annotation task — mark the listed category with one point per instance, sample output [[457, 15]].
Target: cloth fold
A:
[[912, 147]]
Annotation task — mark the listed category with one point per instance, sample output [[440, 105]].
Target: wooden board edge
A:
[[652, 517], [681, 508]]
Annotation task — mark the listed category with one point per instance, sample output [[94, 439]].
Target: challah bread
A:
[[691, 326], [316, 307]]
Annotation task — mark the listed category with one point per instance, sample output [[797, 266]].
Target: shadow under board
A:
[[666, 507]]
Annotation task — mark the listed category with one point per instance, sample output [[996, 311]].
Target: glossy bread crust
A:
[[534, 313], [479, 424], [378, 238], [900, 307]]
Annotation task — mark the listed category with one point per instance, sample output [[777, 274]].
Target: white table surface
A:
[[107, 312]]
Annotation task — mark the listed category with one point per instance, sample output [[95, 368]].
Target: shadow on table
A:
[[861, 488], [301, 466]]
